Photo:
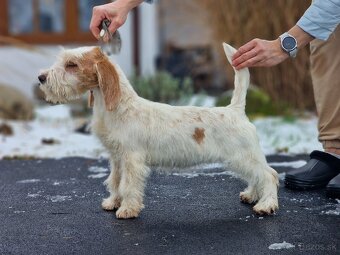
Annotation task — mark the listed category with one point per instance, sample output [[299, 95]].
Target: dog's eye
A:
[[71, 65]]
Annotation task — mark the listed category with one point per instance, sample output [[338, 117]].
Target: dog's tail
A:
[[241, 82]]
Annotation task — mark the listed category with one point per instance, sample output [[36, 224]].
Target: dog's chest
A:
[[105, 134]]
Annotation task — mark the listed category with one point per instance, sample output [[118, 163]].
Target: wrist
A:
[[301, 36], [132, 3]]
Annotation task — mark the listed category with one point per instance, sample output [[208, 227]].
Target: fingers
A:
[[259, 53], [248, 55], [251, 62], [116, 12], [245, 48], [95, 24]]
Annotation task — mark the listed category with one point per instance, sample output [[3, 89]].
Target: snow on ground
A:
[[54, 123], [293, 137], [279, 246]]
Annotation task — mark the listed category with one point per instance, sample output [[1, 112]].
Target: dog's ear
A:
[[108, 80]]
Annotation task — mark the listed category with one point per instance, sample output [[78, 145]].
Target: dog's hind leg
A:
[[267, 188], [112, 185], [131, 188], [262, 182]]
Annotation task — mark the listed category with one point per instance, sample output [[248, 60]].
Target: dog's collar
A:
[[90, 99]]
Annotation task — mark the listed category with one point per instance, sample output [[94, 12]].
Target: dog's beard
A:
[[58, 88]]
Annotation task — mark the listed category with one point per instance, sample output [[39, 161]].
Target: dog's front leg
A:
[[131, 187], [112, 185]]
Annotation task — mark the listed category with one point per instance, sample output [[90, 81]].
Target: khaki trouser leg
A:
[[325, 71]]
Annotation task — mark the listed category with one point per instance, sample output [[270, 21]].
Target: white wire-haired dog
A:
[[139, 133]]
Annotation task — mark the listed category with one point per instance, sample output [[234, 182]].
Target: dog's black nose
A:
[[42, 78]]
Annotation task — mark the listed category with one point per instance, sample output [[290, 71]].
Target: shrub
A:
[[162, 87]]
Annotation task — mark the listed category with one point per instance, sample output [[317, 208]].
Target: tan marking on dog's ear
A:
[[96, 53], [108, 80], [222, 115], [199, 135]]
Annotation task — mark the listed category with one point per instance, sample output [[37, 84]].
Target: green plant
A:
[[259, 103], [162, 87]]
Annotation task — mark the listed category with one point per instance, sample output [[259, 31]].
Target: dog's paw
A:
[[266, 207], [110, 204], [127, 213], [248, 197]]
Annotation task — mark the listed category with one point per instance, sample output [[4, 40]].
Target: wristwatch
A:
[[289, 44]]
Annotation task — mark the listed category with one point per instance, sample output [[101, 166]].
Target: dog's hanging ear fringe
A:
[[108, 81]]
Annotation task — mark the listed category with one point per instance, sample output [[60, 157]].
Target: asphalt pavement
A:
[[53, 207]]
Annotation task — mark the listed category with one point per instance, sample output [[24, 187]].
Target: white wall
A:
[[149, 38]]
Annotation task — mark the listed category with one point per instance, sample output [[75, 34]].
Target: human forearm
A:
[[130, 4], [302, 37]]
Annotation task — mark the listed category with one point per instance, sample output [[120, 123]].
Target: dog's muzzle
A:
[[42, 78]]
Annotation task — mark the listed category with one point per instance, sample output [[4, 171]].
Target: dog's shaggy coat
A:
[[139, 133]]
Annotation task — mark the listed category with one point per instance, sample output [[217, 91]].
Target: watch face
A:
[[289, 43]]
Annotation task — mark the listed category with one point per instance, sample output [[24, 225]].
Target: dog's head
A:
[[77, 71]]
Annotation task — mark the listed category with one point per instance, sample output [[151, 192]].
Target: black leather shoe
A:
[[319, 170], [333, 187]]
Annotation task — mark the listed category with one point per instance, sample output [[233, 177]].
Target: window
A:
[[47, 21]]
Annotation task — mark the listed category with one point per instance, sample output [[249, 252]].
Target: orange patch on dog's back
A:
[[199, 135]]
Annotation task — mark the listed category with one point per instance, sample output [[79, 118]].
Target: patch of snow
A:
[[331, 212], [58, 198], [53, 122], [58, 113], [97, 176], [202, 100], [279, 246], [191, 172], [33, 195], [196, 174], [98, 169], [293, 164], [297, 137], [29, 181]]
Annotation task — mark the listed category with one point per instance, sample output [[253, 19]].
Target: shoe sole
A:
[[296, 184]]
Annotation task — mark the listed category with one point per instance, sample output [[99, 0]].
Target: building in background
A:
[[39, 27]]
